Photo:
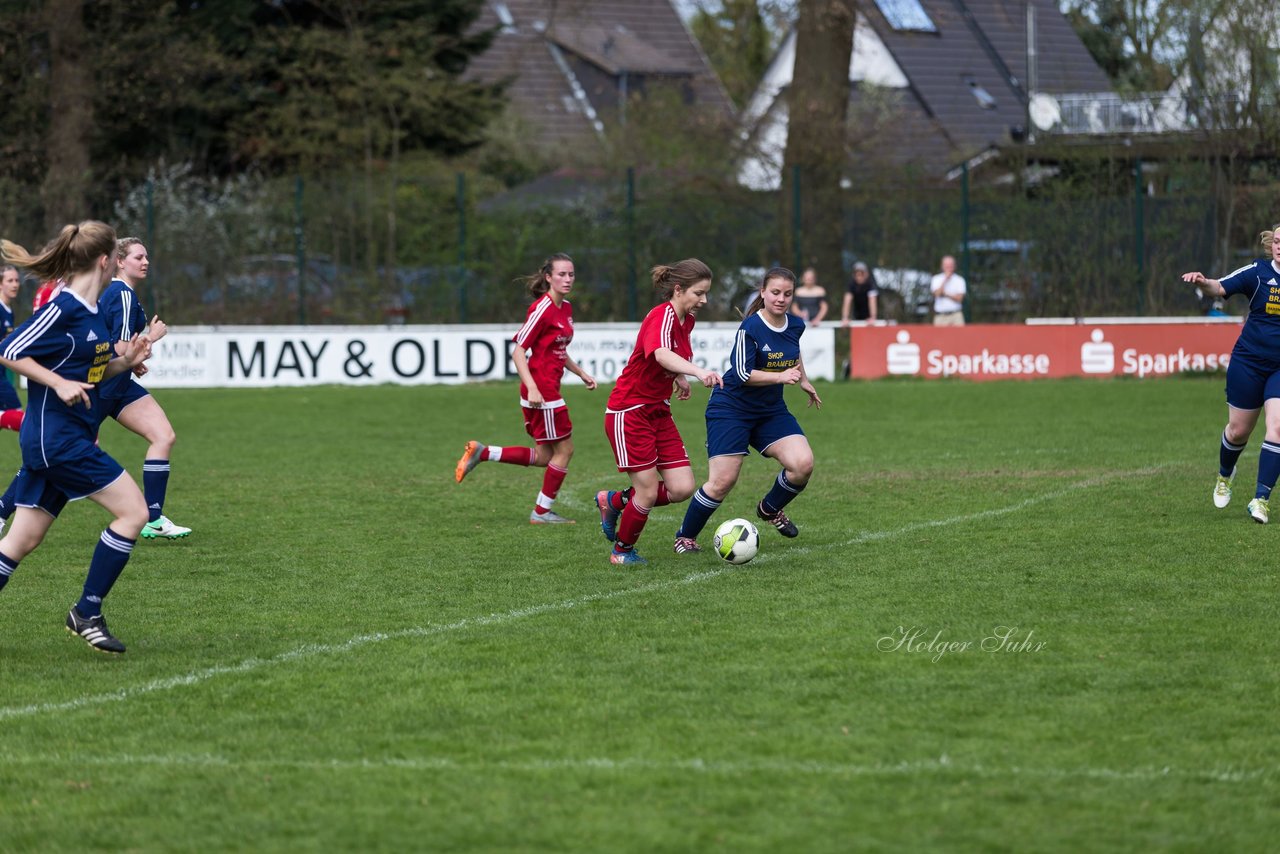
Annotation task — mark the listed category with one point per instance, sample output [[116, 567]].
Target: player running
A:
[[125, 399], [65, 351], [638, 422], [749, 412], [546, 334], [1253, 374]]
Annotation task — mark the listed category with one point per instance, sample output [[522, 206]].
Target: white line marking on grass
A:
[[920, 767], [310, 650]]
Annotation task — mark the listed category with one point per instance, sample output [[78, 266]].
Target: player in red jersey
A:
[[546, 334], [47, 291], [638, 420]]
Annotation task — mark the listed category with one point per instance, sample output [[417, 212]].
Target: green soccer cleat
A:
[[163, 529]]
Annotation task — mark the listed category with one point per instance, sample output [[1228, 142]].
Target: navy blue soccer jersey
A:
[[69, 338], [1260, 338], [125, 317], [758, 347]]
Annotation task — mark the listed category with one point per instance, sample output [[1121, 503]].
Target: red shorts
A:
[[645, 437], [547, 423]]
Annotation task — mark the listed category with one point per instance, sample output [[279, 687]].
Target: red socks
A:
[[516, 456], [11, 419], [551, 482], [631, 523]]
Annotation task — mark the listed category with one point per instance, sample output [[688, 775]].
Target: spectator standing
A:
[[862, 298], [948, 289], [810, 303]]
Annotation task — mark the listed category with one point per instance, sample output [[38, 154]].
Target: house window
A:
[[906, 15], [984, 98], [504, 17]]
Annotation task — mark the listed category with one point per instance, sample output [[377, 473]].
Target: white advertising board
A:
[[263, 356]]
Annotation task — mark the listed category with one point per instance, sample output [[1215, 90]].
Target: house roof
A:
[[565, 61], [955, 91]]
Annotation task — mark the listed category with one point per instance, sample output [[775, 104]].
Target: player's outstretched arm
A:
[[1212, 287], [679, 365]]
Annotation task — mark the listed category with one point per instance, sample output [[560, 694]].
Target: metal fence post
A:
[[633, 304], [462, 246], [151, 242], [1139, 247], [300, 248], [965, 306], [795, 217]]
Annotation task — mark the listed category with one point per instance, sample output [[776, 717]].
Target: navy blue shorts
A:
[[50, 489], [730, 435], [8, 395], [1249, 385], [133, 392]]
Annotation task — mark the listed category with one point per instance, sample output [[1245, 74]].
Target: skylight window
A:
[[906, 16], [985, 99], [504, 17]]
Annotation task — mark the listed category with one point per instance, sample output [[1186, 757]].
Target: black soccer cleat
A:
[[779, 520], [94, 631]]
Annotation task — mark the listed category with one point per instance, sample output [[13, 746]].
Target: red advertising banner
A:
[[998, 352]]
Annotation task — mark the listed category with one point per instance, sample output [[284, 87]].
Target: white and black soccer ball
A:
[[737, 541]]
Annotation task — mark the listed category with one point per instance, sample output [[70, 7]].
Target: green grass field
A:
[[352, 652]]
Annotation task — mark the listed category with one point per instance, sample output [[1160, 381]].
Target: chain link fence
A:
[[362, 249]]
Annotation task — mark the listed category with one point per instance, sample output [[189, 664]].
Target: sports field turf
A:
[[352, 652]]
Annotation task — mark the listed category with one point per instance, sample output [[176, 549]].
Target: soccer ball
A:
[[737, 541]]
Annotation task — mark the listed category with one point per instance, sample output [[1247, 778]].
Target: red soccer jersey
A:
[[643, 380], [546, 334], [44, 293]]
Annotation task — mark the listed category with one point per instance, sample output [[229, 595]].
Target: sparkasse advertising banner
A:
[[195, 357], [997, 352]]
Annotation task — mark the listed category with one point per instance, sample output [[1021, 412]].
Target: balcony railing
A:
[[1107, 113]]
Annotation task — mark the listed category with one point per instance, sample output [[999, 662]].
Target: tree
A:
[[1132, 40], [817, 105], [65, 188], [736, 43]]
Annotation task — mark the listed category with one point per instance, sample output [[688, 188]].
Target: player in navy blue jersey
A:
[[1253, 374], [125, 399], [749, 412], [10, 403], [64, 350]]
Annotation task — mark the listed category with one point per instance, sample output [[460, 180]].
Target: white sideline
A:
[[942, 765], [310, 650]]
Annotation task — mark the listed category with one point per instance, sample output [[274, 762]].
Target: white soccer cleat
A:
[[551, 517], [164, 529], [1222, 490], [1260, 510]]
